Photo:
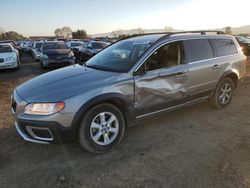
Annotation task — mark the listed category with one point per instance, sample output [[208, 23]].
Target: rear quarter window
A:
[[224, 47], [197, 50]]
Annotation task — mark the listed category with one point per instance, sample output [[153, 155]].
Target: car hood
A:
[[64, 83], [57, 52], [8, 54]]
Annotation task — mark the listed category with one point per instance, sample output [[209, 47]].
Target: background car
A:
[[244, 43], [90, 49], [75, 46], [56, 53], [9, 57], [36, 49], [12, 42], [25, 46]]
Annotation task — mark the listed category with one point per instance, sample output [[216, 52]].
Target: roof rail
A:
[[167, 34], [202, 32]]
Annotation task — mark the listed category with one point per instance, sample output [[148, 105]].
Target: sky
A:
[[42, 17]]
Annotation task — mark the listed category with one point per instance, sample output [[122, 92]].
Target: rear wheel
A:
[[223, 93], [102, 128]]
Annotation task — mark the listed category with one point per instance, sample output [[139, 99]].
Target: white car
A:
[[75, 44], [36, 47], [9, 57]]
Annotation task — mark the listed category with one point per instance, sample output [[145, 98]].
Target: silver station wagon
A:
[[134, 78]]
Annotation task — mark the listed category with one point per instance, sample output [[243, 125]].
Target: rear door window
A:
[[197, 50], [224, 47]]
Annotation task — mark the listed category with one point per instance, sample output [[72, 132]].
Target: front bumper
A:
[[42, 129], [44, 132], [59, 61], [8, 65]]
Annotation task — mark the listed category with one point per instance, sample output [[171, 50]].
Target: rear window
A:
[[224, 47], [38, 45], [5, 49], [76, 44], [97, 45], [198, 49], [54, 45]]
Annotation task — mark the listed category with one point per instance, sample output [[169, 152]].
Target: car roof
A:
[[97, 41], [5, 44], [47, 42], [151, 38], [146, 38], [75, 41]]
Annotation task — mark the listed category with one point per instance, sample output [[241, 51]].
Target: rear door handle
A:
[[216, 66]]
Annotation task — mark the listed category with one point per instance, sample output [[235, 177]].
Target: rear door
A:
[[203, 71], [225, 51], [161, 83]]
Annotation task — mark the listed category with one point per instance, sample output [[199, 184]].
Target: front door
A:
[[162, 84]]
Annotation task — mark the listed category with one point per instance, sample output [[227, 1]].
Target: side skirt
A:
[[172, 108]]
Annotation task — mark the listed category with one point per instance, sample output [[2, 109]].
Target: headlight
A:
[[71, 54], [10, 59], [44, 108]]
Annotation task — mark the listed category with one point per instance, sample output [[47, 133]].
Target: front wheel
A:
[[102, 128], [223, 94]]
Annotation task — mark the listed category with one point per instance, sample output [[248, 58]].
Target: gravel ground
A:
[[192, 147]]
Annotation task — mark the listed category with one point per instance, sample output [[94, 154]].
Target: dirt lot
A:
[[193, 147]]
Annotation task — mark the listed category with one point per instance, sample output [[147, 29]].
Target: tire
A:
[[42, 65], [97, 135], [223, 93]]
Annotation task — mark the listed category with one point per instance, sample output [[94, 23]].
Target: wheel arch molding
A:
[[124, 104], [231, 74]]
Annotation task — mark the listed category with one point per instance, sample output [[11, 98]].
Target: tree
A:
[[117, 33], [168, 29], [79, 34], [1, 30], [139, 31], [64, 32], [228, 30], [11, 35]]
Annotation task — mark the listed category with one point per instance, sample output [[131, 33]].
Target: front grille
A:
[[1, 60], [57, 56]]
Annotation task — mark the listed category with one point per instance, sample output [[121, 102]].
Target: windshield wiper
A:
[[98, 67]]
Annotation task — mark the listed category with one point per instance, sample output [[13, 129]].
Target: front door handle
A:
[[216, 66], [181, 74], [176, 74]]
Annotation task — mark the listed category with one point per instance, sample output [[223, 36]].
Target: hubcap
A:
[[225, 93], [104, 128]]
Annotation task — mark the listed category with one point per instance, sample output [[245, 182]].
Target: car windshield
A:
[[5, 49], [76, 44], [54, 45], [99, 45], [38, 45], [119, 57]]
